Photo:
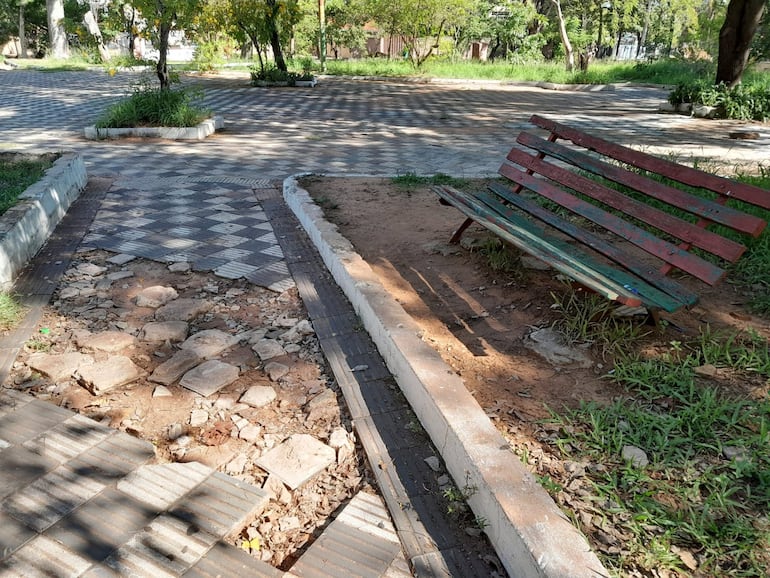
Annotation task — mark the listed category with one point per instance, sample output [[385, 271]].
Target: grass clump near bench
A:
[[635, 221]]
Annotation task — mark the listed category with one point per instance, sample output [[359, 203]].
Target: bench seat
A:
[[654, 205]]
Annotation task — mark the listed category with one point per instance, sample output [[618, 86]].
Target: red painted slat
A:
[[698, 206], [680, 173], [679, 228], [700, 268]]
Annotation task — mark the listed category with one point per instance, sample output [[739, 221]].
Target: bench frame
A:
[[682, 219]]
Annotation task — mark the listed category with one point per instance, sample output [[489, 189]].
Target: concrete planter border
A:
[[199, 132], [532, 537], [25, 228]]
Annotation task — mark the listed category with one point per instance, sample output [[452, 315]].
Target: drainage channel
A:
[[434, 542]]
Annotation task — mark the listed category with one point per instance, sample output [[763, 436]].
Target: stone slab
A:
[[182, 309], [225, 560], [297, 460], [209, 343], [175, 367], [161, 331], [13, 535], [105, 375], [155, 296], [58, 366], [109, 341], [209, 377], [258, 396]]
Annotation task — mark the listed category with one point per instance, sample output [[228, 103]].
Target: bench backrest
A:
[[682, 216]]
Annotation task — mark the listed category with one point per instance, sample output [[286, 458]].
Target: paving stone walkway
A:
[[202, 203]]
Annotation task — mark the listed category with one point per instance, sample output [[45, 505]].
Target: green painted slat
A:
[[606, 280], [635, 266]]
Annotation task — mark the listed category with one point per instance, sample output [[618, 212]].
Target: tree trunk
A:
[[56, 33], [568, 53], [162, 67], [275, 37], [23, 44], [89, 19], [740, 26], [645, 28]]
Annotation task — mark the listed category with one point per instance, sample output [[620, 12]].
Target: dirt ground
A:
[[479, 320]]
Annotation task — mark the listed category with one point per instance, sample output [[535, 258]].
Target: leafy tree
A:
[[735, 37], [509, 25], [260, 23], [166, 15], [345, 25], [25, 19], [417, 20]]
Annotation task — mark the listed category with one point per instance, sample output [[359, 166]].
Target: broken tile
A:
[[297, 460]]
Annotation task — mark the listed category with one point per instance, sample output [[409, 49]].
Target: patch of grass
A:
[[11, 311], [150, 106], [753, 268], [74, 63], [326, 204], [17, 172], [658, 72], [412, 180], [502, 257], [587, 318], [706, 489], [38, 345]]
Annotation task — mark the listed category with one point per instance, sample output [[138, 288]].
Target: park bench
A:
[[620, 241]]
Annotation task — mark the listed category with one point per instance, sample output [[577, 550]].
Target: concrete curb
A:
[[532, 537], [25, 227], [199, 132]]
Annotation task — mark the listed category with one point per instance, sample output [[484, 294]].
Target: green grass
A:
[[669, 72], [11, 311], [412, 180], [151, 106], [706, 488], [17, 172]]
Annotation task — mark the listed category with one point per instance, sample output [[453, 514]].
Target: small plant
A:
[[272, 74], [11, 311], [747, 101], [38, 345], [149, 105], [457, 498], [501, 257]]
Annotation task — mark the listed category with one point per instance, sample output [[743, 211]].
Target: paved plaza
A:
[[215, 204]]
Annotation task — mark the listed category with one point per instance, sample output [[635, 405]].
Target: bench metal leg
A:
[[459, 232]]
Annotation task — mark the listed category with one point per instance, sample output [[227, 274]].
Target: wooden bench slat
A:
[[698, 206], [683, 174], [613, 283], [668, 252], [644, 271], [679, 228]]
